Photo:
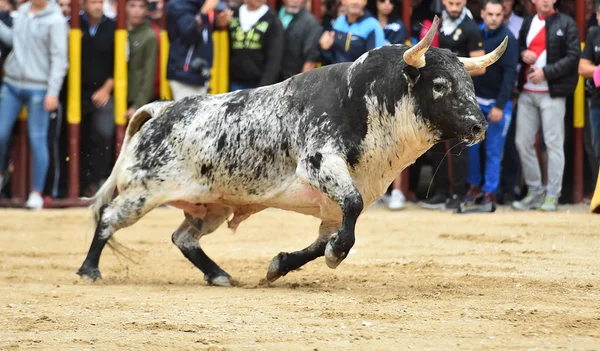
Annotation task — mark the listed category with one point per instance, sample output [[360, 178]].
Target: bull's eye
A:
[[438, 87]]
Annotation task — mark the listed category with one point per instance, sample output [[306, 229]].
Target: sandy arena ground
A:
[[416, 280]]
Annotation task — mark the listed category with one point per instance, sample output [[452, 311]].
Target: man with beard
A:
[[302, 33], [461, 35], [353, 34]]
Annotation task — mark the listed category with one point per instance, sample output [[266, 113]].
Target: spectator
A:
[[353, 34], [65, 7], [511, 19], [143, 54], [394, 30], [155, 14], [551, 76], [190, 45], [589, 68], [256, 40], [6, 8], [302, 33], [34, 73], [97, 102], [461, 35], [494, 94]]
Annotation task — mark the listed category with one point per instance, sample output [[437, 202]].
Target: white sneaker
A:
[[397, 200], [35, 201]]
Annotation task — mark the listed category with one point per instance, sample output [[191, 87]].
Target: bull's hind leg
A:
[[329, 173], [187, 237], [123, 211], [286, 262]]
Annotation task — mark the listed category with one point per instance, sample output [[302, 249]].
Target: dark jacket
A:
[[255, 56], [499, 79], [97, 55], [301, 43], [562, 53], [4, 49], [188, 41]]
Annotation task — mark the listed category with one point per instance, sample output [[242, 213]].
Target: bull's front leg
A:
[[330, 175]]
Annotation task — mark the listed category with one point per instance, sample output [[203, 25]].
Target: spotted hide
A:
[[325, 143]]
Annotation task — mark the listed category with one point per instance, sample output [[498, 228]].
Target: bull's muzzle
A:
[[476, 132]]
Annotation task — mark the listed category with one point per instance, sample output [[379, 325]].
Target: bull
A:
[[324, 143]]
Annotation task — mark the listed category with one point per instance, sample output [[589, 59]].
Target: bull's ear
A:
[[412, 75]]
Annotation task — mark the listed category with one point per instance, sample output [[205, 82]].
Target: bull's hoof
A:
[[333, 256], [223, 279], [89, 274], [274, 271]]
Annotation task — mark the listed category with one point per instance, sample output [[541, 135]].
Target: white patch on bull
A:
[[441, 87], [392, 143]]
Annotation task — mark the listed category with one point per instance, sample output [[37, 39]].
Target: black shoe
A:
[[436, 202], [453, 202]]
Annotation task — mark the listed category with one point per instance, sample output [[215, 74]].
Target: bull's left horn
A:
[[415, 56], [475, 63]]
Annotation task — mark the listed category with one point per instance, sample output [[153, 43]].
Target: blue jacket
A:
[[187, 40], [499, 79], [353, 40]]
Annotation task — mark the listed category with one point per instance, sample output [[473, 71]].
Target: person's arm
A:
[[192, 26], [509, 65], [310, 46], [59, 61], [146, 90], [569, 61], [586, 66], [274, 53]]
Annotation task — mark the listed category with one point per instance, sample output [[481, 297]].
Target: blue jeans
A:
[[495, 138], [595, 128], [12, 100]]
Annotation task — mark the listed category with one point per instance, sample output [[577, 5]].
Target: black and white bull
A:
[[325, 143]]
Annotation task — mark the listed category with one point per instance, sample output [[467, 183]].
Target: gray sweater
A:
[[38, 59]]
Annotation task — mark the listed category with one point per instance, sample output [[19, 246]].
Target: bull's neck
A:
[[393, 142]]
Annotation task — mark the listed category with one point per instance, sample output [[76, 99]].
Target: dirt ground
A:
[[415, 280]]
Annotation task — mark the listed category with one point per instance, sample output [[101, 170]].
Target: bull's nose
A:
[[477, 131]]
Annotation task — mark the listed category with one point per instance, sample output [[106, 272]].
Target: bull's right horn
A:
[[415, 56], [475, 63]]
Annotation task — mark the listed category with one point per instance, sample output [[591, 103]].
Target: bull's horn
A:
[[475, 63], [415, 56]]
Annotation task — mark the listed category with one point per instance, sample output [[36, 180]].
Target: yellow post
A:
[[579, 102], [219, 82], [595, 205], [120, 88], [165, 90], [74, 79]]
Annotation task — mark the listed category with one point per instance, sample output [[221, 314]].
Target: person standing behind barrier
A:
[[353, 34], [97, 103], [143, 54], [155, 14], [34, 73], [302, 33], [394, 30], [459, 34], [190, 28], [256, 41], [494, 95], [550, 49], [589, 67]]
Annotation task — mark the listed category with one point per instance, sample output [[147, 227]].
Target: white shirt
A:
[[249, 18]]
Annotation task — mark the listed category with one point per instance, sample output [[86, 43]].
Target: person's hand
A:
[[537, 76], [327, 40], [209, 5], [50, 103], [529, 57], [224, 18], [100, 97], [495, 115], [129, 113]]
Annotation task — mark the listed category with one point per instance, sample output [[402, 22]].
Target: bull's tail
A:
[[106, 191]]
